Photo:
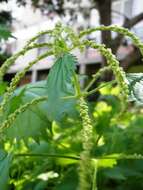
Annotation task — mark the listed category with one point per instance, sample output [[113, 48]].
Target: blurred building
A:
[[29, 22]]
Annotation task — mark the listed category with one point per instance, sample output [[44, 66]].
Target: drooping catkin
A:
[[56, 49], [117, 70], [59, 44], [55, 33], [6, 65], [85, 172], [37, 36], [11, 118], [121, 30], [17, 78]]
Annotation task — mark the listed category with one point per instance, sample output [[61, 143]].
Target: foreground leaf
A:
[[59, 85], [36, 120], [5, 161], [136, 87], [4, 33], [31, 123]]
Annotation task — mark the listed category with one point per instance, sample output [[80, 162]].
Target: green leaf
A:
[[69, 180], [5, 161], [5, 33], [31, 123], [107, 163], [3, 86], [35, 120], [59, 85], [115, 173], [136, 87]]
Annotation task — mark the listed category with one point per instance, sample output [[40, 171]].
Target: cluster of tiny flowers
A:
[[29, 45], [121, 30], [17, 78], [11, 118], [5, 66], [86, 136], [114, 65], [59, 44], [75, 40], [119, 71], [9, 62], [56, 49], [49, 32]]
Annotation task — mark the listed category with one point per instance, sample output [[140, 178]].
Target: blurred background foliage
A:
[[5, 32]]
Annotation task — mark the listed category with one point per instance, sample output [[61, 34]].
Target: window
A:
[[128, 5]]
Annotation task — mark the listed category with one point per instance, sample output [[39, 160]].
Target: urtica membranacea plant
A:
[[62, 40]]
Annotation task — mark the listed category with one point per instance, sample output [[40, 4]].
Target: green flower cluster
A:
[[114, 65], [121, 30], [87, 142], [17, 78], [62, 40], [11, 118]]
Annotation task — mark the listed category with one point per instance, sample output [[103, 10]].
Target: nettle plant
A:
[[58, 98]]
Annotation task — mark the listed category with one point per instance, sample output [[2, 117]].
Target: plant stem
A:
[[47, 155], [77, 85], [96, 76], [94, 186], [99, 87], [118, 157]]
